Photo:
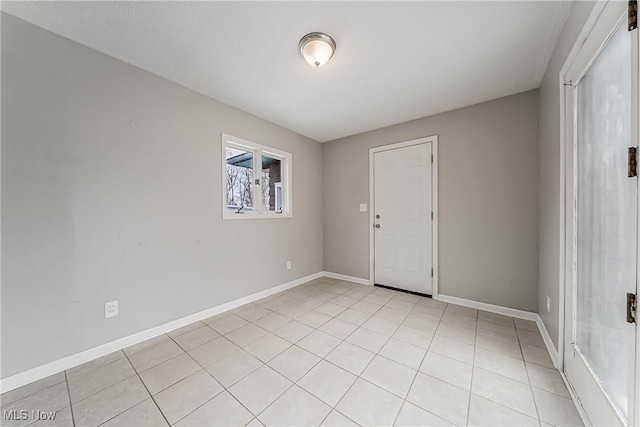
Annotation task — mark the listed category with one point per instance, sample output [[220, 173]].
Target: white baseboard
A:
[[512, 312], [526, 315], [347, 278], [43, 371], [551, 348]]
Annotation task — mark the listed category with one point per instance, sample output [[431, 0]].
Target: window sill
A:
[[250, 215]]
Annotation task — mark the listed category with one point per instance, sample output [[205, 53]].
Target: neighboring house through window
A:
[[256, 180]]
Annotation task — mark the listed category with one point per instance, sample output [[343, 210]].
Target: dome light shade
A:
[[317, 48]]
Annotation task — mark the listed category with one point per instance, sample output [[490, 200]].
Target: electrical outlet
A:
[[110, 309], [288, 265], [363, 207], [548, 304]]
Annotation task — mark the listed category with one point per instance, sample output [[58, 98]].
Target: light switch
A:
[[363, 207]]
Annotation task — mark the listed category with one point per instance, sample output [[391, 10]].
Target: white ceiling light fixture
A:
[[317, 48]]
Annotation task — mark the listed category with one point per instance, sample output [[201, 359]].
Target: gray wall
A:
[[95, 208], [549, 177], [488, 199]]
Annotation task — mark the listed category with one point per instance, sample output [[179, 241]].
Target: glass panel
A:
[[239, 179], [606, 216], [272, 184]]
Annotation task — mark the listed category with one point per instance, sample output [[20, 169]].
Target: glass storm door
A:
[[601, 222]]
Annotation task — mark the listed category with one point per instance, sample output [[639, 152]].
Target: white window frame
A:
[[258, 150]]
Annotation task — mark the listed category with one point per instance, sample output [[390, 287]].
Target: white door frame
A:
[[433, 140], [580, 54], [564, 137]]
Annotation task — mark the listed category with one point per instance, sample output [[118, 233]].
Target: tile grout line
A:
[[509, 378], [280, 395], [105, 388], [332, 408], [335, 410], [417, 370], [203, 368], [73, 418], [405, 401], [533, 396], [56, 410], [102, 389], [508, 407], [368, 364], [473, 369], [518, 342], [319, 296], [255, 416], [119, 382], [295, 383], [154, 366], [94, 368], [146, 388], [342, 340], [34, 393]]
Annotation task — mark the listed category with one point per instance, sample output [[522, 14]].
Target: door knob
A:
[[376, 225]]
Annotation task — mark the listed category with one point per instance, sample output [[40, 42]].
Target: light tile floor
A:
[[329, 353]]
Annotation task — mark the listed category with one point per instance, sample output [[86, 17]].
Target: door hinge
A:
[[432, 272], [431, 215], [632, 14], [633, 162], [631, 308]]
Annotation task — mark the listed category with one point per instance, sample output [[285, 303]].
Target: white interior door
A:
[[402, 208], [601, 221]]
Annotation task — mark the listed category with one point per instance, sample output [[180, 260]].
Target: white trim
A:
[[372, 256], [433, 140], [498, 309], [286, 175], [584, 33], [562, 220], [551, 348], [635, 125], [353, 279], [576, 402], [43, 371], [512, 312], [434, 222]]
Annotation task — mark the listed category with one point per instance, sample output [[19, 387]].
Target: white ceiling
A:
[[395, 61]]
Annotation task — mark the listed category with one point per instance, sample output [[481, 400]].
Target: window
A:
[[256, 180]]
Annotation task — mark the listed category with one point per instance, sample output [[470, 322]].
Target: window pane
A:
[[239, 179], [605, 216], [272, 184]]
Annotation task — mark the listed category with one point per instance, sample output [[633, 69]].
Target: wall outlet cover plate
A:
[[110, 309]]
